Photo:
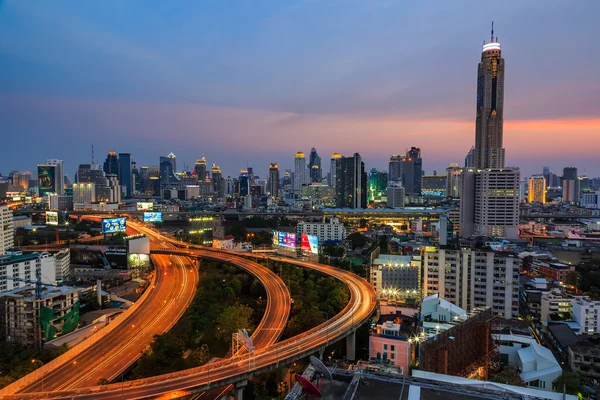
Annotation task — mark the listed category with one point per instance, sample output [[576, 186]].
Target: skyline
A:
[[395, 80]]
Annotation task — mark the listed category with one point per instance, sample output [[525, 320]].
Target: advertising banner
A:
[[46, 180], [138, 260], [144, 206], [152, 216], [99, 257], [113, 225], [284, 239], [310, 243], [51, 218]]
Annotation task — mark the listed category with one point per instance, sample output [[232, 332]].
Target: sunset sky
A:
[[252, 82]]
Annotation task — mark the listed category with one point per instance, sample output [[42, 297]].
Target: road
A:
[[362, 304]]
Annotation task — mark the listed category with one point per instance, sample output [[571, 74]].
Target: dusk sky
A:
[[252, 82]]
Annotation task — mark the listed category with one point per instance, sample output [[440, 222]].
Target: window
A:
[[385, 346], [392, 347]]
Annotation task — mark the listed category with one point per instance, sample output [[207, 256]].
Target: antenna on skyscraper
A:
[[492, 31], [92, 154]]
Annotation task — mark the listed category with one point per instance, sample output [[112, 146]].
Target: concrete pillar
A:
[[99, 291], [239, 390], [351, 346], [321, 352]]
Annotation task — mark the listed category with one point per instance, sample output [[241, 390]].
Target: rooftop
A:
[[563, 334], [28, 292], [13, 259]]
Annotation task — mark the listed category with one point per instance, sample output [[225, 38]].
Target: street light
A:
[[33, 361]]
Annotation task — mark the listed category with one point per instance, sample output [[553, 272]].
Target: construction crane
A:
[[38, 283]]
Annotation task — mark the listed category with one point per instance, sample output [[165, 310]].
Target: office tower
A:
[[115, 188], [21, 179], [51, 177], [469, 159], [489, 203], [286, 181], [411, 171], [136, 178], [273, 184], [433, 187], [299, 171], [83, 193], [335, 160], [7, 233], [314, 165], [395, 196], [394, 171], [217, 180], [378, 182], [111, 164], [546, 174], [452, 181], [489, 152], [125, 176], [351, 187], [537, 189], [570, 185], [244, 181], [471, 278], [200, 169], [167, 170]]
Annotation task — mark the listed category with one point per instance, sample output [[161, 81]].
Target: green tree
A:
[[573, 278], [572, 380], [233, 318], [357, 239]]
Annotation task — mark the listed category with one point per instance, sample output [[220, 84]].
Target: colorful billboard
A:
[[46, 180], [113, 225], [310, 243], [152, 216], [99, 257], [138, 260], [284, 239], [51, 218], [144, 206]]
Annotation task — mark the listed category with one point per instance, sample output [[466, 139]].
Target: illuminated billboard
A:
[[113, 225], [284, 239], [152, 216], [99, 257], [310, 243], [46, 179], [51, 218], [144, 206], [138, 260]]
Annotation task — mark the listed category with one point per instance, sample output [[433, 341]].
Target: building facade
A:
[[125, 175], [19, 270], [351, 185], [273, 182], [300, 171], [396, 196], [325, 231], [51, 177], [7, 232], [537, 189]]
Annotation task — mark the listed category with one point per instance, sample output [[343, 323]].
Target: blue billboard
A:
[[113, 225], [284, 239], [152, 216]]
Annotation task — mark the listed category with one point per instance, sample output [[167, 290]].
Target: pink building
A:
[[388, 343]]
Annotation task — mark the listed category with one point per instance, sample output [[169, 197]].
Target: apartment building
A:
[[7, 232], [585, 312], [17, 268], [471, 278], [331, 230]]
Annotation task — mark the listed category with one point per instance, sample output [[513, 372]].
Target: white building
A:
[[439, 315], [60, 202], [84, 193], [585, 312], [471, 278], [554, 302], [538, 367], [489, 203], [395, 196], [15, 264], [300, 171], [332, 230], [590, 199], [62, 264], [7, 232]]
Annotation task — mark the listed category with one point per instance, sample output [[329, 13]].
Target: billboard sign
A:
[[144, 206], [46, 180], [51, 218], [152, 216], [138, 260], [284, 239], [113, 225], [310, 243], [99, 257]]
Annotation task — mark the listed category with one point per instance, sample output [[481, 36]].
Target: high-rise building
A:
[[434, 187], [7, 233], [546, 174], [378, 182], [111, 164], [395, 196], [115, 188], [125, 176], [537, 189], [470, 158], [452, 181], [314, 165], [335, 160], [411, 171], [394, 169], [489, 152], [200, 169], [83, 193], [217, 179], [167, 170], [351, 187], [273, 184], [51, 177], [299, 171], [570, 185], [21, 179], [244, 181], [489, 203]]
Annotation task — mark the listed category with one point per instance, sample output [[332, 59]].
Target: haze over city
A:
[[248, 83]]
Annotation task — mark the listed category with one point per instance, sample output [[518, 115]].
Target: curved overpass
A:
[[240, 367]]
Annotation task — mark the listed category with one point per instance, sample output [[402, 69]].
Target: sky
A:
[[246, 83]]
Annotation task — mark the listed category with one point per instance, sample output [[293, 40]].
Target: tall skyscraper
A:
[[351, 187], [335, 160], [394, 169], [411, 171], [273, 184], [125, 176], [489, 152], [111, 164], [537, 189], [167, 170], [570, 185], [378, 183], [452, 181], [218, 181], [299, 171], [51, 177], [244, 181], [7, 233], [469, 159], [314, 165], [200, 169]]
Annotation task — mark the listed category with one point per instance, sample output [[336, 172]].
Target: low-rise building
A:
[[439, 315], [584, 357], [396, 277], [555, 271], [585, 312], [555, 303], [390, 342], [538, 366], [19, 270], [325, 231]]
